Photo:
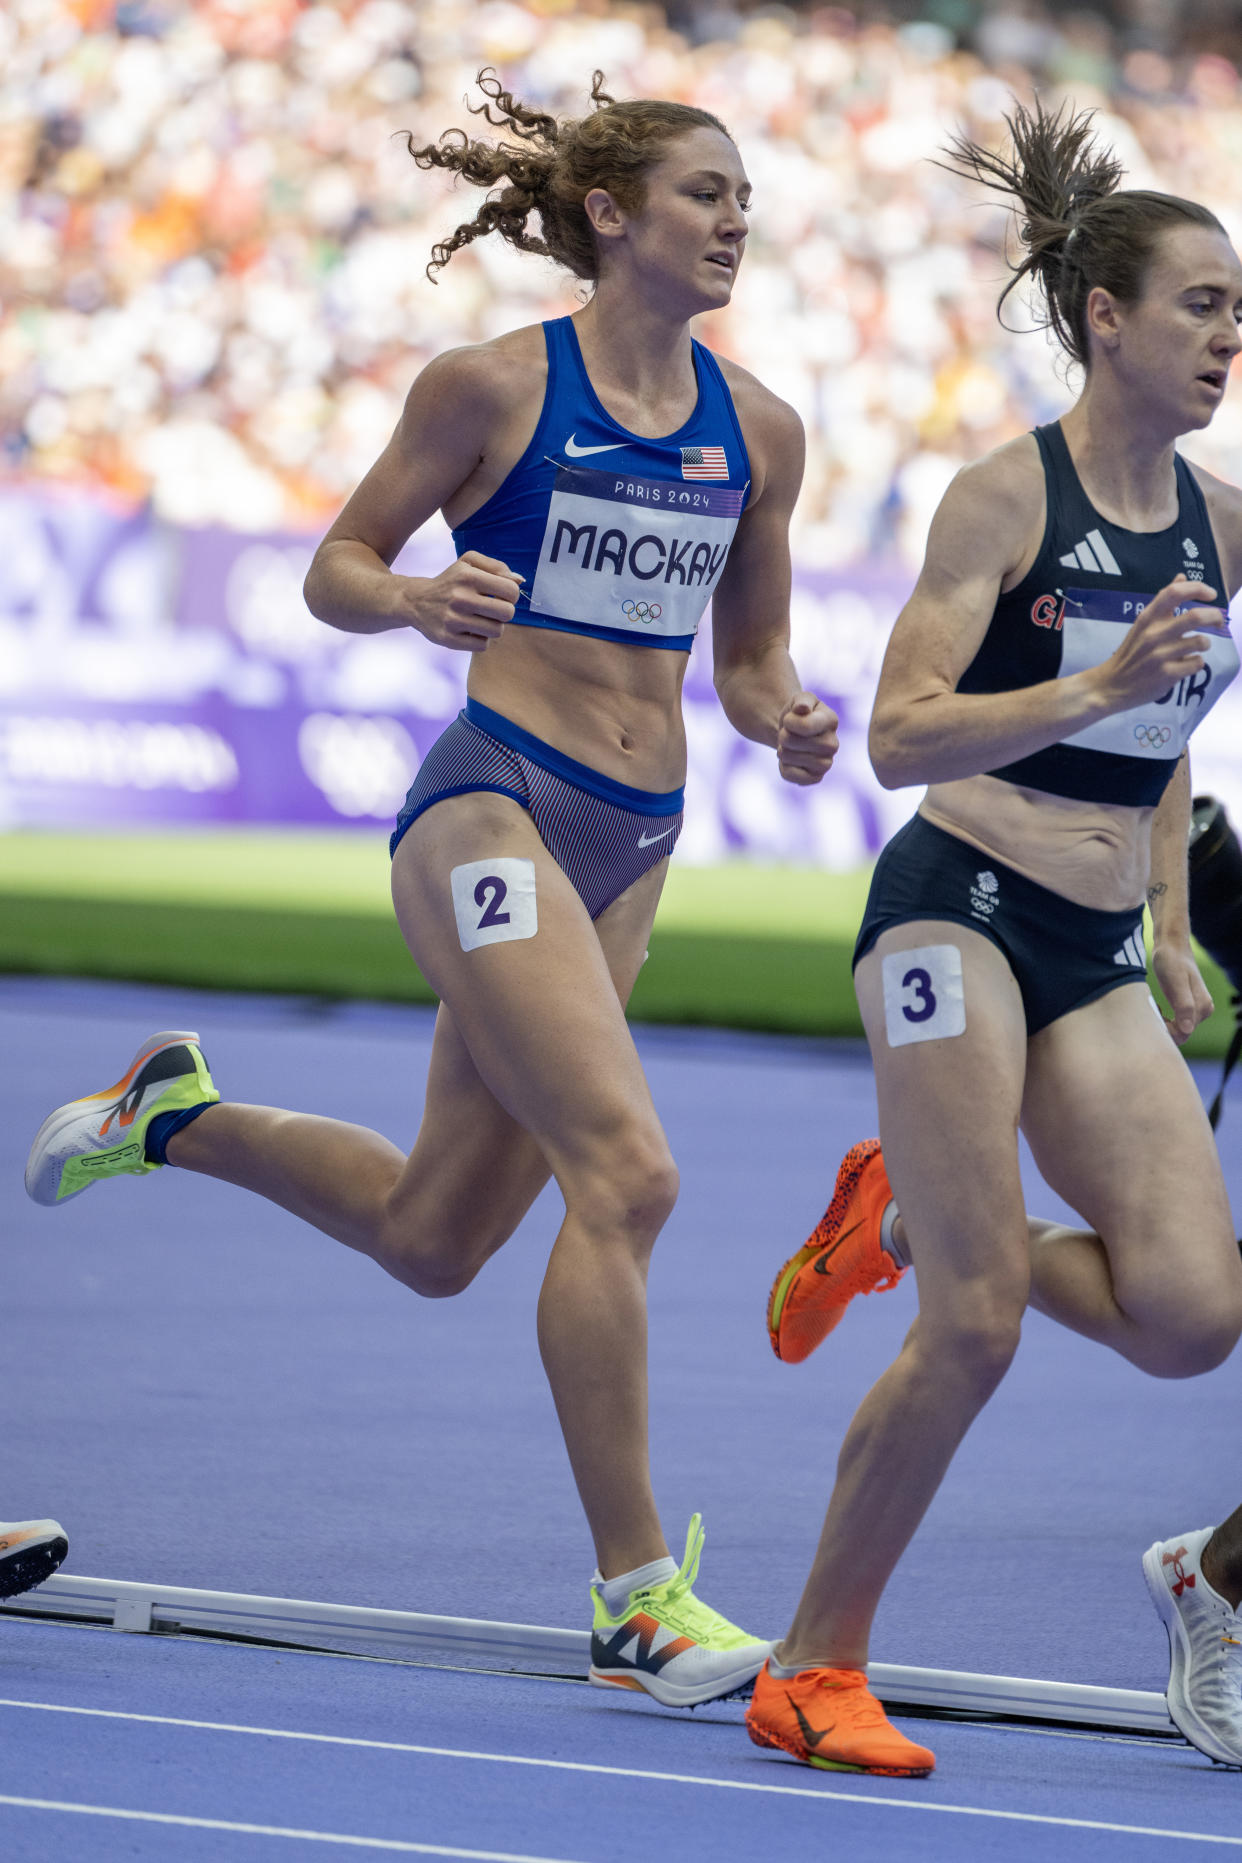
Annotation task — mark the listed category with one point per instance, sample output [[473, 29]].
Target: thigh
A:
[[533, 1062], [949, 1106], [1117, 1129]]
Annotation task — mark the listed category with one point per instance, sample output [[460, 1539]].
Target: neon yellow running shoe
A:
[[667, 1644], [105, 1134]]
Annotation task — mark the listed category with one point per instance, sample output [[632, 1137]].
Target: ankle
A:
[[789, 1659], [893, 1238], [1220, 1575]]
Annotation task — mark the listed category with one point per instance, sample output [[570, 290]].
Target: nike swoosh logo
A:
[[649, 840], [820, 1263], [811, 1735], [580, 452]]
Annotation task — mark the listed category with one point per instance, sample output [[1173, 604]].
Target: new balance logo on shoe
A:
[[1092, 553], [634, 1643]]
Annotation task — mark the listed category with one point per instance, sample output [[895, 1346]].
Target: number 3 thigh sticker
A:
[[494, 900], [923, 996]]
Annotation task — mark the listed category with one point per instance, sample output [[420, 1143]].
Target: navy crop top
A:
[[1090, 579], [618, 536]]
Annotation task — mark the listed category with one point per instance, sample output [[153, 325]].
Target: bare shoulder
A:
[[1224, 503], [772, 430], [755, 403], [489, 379], [993, 510], [1004, 481]]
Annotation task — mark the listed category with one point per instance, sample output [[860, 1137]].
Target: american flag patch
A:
[[704, 462]]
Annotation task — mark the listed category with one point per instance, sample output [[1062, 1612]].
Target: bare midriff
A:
[[613, 707], [1095, 853]]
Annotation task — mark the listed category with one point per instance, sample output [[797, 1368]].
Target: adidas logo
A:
[[1132, 954], [1092, 553]]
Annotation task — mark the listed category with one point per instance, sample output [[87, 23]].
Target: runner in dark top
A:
[[1066, 635]]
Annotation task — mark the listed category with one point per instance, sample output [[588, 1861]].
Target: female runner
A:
[[604, 476], [1043, 680]]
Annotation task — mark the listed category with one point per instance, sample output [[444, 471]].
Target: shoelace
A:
[[861, 1705], [682, 1610]]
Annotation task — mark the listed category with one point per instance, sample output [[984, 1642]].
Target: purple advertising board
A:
[[150, 675]]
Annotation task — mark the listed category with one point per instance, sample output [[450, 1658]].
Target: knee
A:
[[976, 1347], [430, 1257], [631, 1189], [1188, 1344], [438, 1280]]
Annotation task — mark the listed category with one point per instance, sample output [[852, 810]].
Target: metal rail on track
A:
[[536, 1649]]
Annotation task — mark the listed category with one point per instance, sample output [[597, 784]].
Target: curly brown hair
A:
[[1079, 228], [552, 167]]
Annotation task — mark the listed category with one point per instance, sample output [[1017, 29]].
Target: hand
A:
[[466, 606], [1184, 990], [1160, 646], [806, 740]]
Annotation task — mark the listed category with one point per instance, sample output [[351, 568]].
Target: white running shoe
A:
[[665, 1642], [30, 1551], [104, 1134], [1205, 1647]]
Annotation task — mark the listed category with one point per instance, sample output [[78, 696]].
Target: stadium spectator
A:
[[212, 288]]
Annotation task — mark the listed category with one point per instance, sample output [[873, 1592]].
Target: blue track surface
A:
[[208, 1394], [611, 1780]]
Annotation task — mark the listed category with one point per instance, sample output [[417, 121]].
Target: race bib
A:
[[924, 997], [639, 555], [1161, 728], [494, 901]]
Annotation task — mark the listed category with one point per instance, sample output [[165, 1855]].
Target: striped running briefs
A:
[[603, 835]]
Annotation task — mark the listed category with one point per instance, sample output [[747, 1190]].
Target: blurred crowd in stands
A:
[[212, 240]]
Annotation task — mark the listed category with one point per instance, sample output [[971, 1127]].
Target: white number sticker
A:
[[923, 995], [494, 900]]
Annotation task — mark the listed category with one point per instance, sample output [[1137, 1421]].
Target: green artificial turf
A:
[[308, 912]]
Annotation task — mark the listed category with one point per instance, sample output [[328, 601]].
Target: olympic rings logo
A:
[[1154, 736], [646, 612]]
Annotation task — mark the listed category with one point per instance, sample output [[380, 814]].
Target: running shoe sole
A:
[[762, 1738], [31, 1564], [737, 1681]]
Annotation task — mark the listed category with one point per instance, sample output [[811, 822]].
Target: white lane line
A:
[[630, 1772], [274, 1830]]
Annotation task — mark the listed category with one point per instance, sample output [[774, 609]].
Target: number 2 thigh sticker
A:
[[923, 995], [494, 900]]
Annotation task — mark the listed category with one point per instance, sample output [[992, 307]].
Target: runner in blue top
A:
[[1066, 635], [605, 476]]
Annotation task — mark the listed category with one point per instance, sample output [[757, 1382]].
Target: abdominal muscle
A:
[[1096, 853], [613, 707]]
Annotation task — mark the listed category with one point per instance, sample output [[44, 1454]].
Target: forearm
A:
[[948, 735], [350, 587], [755, 692], [1168, 887]]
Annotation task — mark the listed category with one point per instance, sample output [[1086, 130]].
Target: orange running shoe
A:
[[841, 1258], [830, 1718]]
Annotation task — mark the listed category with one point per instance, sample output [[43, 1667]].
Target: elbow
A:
[[884, 749], [312, 588]]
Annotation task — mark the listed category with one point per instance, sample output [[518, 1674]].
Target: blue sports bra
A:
[[618, 536], [1090, 580]]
